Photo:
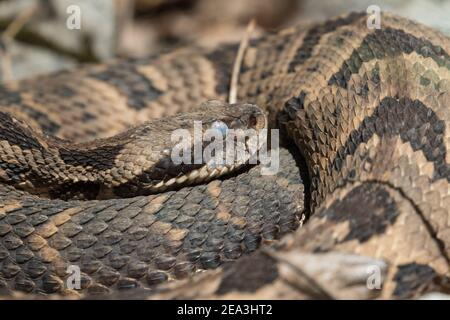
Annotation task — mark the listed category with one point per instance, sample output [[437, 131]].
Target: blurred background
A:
[[41, 36]]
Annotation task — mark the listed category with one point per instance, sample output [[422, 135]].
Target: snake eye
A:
[[220, 127], [252, 121]]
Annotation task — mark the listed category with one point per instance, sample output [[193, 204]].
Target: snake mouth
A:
[[212, 168], [201, 175]]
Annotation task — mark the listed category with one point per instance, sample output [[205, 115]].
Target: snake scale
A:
[[366, 108]]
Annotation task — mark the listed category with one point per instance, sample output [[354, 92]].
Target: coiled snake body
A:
[[367, 108]]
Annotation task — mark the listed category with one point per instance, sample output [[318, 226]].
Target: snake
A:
[[87, 184]]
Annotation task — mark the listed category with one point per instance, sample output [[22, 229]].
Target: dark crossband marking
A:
[[363, 226], [11, 98], [314, 35], [249, 274], [100, 158], [409, 119], [414, 277], [390, 43], [42, 119], [59, 90], [222, 60], [17, 134], [137, 88]]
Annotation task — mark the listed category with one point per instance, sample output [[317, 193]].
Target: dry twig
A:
[[232, 98], [8, 35]]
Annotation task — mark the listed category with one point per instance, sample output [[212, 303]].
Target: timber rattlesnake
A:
[[368, 110]]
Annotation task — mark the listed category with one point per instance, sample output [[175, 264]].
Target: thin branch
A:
[[6, 73], [6, 37], [232, 98], [19, 22]]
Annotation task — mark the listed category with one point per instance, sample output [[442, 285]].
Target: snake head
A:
[[191, 148]]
